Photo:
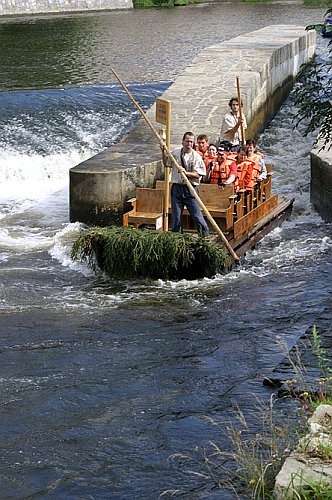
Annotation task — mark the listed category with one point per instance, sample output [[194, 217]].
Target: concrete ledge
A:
[[266, 61], [321, 182]]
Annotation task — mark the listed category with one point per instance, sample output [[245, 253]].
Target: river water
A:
[[103, 382]]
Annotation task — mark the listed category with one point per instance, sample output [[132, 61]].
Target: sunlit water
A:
[[102, 381]]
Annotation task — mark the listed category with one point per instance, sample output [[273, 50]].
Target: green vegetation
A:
[[313, 94], [310, 489], [130, 253], [324, 451]]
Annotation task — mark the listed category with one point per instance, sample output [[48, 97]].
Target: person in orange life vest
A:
[[212, 157], [210, 161], [259, 171], [223, 172], [231, 125], [244, 170], [202, 146]]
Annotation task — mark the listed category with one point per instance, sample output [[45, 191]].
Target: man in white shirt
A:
[[193, 167], [231, 125]]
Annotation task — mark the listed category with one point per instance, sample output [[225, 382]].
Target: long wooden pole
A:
[[166, 189], [240, 109], [184, 177]]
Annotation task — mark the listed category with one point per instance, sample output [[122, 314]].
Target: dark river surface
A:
[[103, 382]]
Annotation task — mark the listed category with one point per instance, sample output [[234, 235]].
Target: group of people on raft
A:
[[229, 163]]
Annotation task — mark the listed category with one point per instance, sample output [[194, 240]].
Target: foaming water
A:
[[58, 129]]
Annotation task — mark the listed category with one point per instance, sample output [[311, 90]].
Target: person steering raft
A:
[[194, 168]]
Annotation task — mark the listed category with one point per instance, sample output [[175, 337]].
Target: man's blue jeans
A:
[[181, 197]]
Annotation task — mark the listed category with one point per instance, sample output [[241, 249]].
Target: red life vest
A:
[[257, 168], [210, 159], [203, 155], [244, 175], [221, 172]]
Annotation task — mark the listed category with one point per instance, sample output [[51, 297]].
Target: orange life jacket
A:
[[221, 172], [210, 159], [244, 175], [203, 155], [257, 169]]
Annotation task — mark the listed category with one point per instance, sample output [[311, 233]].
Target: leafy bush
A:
[[314, 94], [131, 253]]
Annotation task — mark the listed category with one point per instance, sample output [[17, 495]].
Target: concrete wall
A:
[[321, 182], [266, 60], [18, 7]]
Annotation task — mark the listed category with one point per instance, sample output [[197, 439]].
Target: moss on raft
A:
[[130, 253]]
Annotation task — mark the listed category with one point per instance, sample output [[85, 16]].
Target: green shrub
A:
[[131, 253]]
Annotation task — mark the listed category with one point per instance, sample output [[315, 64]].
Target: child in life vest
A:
[[259, 170], [210, 161], [244, 170]]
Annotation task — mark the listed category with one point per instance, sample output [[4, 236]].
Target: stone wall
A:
[[28, 7], [321, 182], [266, 61]]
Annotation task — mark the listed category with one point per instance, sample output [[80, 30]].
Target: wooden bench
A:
[[147, 209]]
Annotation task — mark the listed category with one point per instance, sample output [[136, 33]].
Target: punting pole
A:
[[240, 109], [163, 115], [166, 184], [184, 177]]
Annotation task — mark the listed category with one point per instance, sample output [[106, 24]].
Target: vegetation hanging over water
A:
[[313, 96], [131, 253]]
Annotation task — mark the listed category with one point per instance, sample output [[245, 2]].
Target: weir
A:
[[266, 61]]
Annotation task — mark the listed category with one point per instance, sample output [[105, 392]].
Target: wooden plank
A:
[[243, 225]]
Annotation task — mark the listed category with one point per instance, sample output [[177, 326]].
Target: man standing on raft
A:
[[193, 167], [231, 125]]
